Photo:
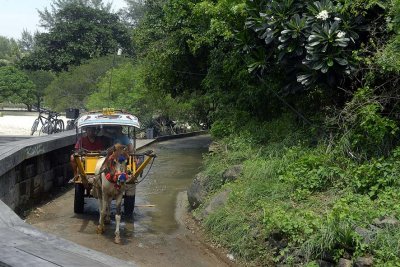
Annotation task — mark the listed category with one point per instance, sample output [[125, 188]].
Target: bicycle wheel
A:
[[58, 126], [46, 128], [70, 125], [34, 126]]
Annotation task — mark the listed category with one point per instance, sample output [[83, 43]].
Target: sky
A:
[[17, 15]]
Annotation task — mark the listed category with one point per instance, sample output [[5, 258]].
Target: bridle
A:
[[117, 177]]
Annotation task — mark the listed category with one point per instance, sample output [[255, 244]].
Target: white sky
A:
[[16, 15]]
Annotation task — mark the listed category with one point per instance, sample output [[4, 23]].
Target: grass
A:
[[307, 195]]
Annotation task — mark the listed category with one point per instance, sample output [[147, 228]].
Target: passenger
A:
[[116, 136], [89, 142]]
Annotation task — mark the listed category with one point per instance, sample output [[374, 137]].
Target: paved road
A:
[[23, 245]]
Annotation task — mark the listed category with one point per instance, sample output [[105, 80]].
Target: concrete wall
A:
[[31, 168]]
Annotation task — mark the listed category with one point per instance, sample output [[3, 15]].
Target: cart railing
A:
[[86, 163]]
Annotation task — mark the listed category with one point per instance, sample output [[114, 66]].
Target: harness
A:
[[113, 176]]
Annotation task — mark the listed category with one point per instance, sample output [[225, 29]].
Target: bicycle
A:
[[53, 124], [72, 114], [70, 125], [50, 122]]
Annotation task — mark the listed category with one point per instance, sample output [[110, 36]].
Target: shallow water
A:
[[174, 169]]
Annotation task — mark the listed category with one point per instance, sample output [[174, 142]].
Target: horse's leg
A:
[[118, 201], [99, 194], [98, 188], [104, 197], [107, 219], [100, 229]]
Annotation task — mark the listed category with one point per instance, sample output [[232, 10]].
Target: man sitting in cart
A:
[[90, 142], [116, 136]]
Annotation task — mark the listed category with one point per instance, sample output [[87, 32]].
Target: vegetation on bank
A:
[[299, 201]]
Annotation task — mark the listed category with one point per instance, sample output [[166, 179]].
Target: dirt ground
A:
[[187, 246]]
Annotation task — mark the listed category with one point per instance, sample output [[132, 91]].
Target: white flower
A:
[[323, 15], [341, 34], [337, 19]]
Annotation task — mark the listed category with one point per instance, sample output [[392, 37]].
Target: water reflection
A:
[[176, 164]]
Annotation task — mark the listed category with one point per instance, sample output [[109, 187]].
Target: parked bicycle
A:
[[70, 125], [49, 121], [72, 114]]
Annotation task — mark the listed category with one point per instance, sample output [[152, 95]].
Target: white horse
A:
[[111, 176]]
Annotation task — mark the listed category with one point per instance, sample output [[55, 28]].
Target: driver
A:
[[90, 142]]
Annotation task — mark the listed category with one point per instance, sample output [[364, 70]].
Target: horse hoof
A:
[[100, 230], [117, 240]]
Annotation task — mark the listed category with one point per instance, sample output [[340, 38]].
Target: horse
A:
[[111, 175]]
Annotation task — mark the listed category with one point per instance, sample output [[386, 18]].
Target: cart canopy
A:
[[108, 117]]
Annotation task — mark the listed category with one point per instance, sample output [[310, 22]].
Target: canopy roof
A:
[[108, 117]]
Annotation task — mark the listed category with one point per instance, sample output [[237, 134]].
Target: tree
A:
[[186, 48], [26, 43], [48, 18], [72, 88], [9, 51], [316, 43], [134, 13], [77, 30], [120, 88], [41, 79], [15, 87], [125, 90]]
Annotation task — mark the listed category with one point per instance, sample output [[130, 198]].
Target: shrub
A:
[[364, 131], [312, 41], [314, 170]]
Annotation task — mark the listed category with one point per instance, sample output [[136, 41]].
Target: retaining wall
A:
[[31, 168]]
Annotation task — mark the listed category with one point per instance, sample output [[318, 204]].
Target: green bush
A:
[[221, 129], [312, 41], [363, 131], [314, 170]]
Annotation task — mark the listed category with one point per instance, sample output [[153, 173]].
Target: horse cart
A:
[[119, 165]]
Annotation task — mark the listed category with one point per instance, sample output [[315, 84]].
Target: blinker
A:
[[122, 177], [121, 159]]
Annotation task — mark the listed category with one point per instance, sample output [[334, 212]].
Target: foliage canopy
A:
[[16, 87], [76, 31]]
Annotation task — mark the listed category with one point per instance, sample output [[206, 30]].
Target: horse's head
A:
[[116, 164]]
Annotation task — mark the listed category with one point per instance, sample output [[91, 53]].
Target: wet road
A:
[[162, 235]]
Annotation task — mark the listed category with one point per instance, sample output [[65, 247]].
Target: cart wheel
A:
[[129, 205], [79, 200]]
